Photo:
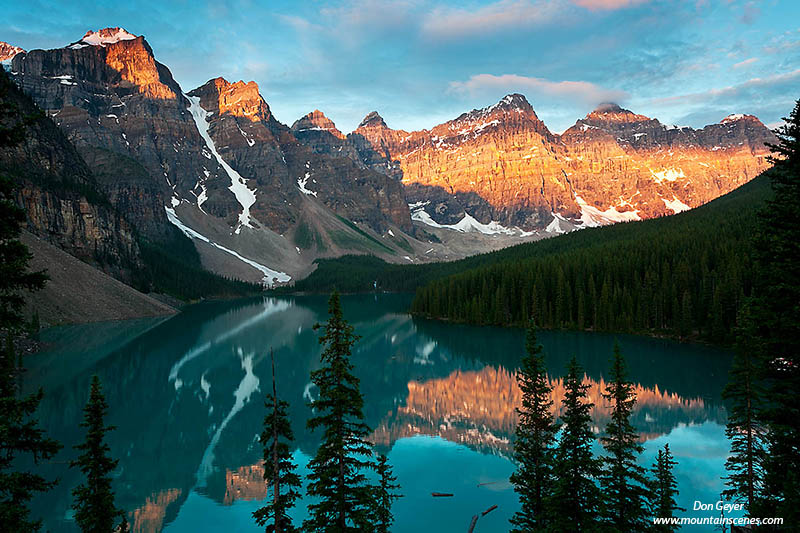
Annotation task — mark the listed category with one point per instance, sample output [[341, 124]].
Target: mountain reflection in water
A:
[[186, 395]]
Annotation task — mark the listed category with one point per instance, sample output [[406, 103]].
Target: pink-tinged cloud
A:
[[451, 23], [582, 92], [746, 62], [597, 5]]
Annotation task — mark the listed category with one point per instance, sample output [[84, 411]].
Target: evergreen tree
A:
[[535, 439], [385, 495], [663, 489], [20, 435], [575, 502], [279, 470], [337, 475], [623, 481], [776, 313], [95, 511], [14, 256], [745, 427]]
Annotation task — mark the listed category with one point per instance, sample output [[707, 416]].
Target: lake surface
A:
[[186, 396]]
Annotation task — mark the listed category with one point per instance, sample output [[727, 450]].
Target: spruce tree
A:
[[745, 428], [535, 439], [95, 511], [623, 481], [20, 436], [279, 470], [385, 495], [777, 317], [337, 478], [663, 489], [14, 256], [575, 502]]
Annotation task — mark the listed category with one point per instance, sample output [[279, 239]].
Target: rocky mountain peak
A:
[[105, 37], [611, 112], [514, 101], [510, 107], [239, 99], [737, 117], [373, 120], [110, 54], [8, 51], [317, 121]]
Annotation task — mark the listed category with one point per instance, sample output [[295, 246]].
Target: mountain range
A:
[[262, 201]]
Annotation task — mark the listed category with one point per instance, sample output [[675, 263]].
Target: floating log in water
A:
[[441, 494], [489, 510], [488, 483], [472, 524]]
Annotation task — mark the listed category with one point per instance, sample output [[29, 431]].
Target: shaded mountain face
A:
[[58, 191], [501, 163], [271, 159], [128, 118]]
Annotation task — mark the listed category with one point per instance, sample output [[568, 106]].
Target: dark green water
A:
[[185, 395]]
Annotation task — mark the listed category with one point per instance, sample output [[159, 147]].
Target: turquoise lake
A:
[[186, 396]]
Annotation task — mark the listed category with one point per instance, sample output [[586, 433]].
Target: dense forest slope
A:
[[682, 275]]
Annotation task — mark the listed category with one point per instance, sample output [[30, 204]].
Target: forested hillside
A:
[[684, 275], [681, 275]]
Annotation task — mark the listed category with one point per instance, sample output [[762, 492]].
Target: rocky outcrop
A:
[[319, 133], [8, 51]]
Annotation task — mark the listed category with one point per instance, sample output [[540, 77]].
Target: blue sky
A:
[[419, 63]]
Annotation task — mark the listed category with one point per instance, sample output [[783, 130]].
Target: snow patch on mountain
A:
[[668, 174], [468, 224], [555, 226], [301, 184], [106, 36], [733, 117], [270, 276], [244, 195], [593, 217], [676, 205]]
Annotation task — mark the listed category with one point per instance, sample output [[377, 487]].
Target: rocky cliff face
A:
[[502, 164], [637, 165], [128, 118], [270, 159], [59, 192]]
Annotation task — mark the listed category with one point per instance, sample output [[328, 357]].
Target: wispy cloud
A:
[[582, 92], [452, 23], [608, 4], [746, 62], [777, 81]]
